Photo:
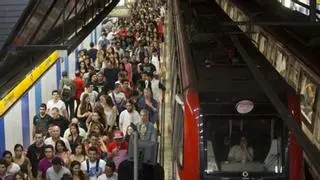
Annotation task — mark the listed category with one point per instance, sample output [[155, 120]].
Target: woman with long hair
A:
[[130, 129], [84, 110], [105, 139], [76, 172], [22, 161], [82, 68], [116, 57], [101, 56], [96, 128], [79, 153], [74, 137], [62, 151], [12, 167], [110, 111], [97, 116]]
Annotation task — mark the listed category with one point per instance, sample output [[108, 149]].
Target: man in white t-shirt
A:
[[109, 173], [118, 97], [57, 170], [111, 35], [128, 116], [56, 102], [93, 166]]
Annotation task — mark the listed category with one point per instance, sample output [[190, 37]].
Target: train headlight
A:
[[244, 106]]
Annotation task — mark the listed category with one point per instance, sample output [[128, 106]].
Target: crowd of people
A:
[[83, 131]]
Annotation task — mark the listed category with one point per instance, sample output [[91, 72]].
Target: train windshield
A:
[[243, 147]]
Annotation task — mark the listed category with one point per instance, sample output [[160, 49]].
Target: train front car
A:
[[242, 134], [239, 133]]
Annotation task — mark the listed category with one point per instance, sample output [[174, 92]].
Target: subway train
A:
[[292, 50], [224, 124]]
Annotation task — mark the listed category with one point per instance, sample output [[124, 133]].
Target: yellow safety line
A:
[[8, 100]]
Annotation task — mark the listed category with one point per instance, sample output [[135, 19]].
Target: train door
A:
[[255, 36], [232, 13], [263, 44], [241, 17], [225, 5], [270, 50], [272, 53]]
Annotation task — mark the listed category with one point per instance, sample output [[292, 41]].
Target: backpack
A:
[[97, 166], [66, 92], [120, 106]]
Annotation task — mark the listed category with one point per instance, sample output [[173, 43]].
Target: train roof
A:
[[226, 80], [302, 41]]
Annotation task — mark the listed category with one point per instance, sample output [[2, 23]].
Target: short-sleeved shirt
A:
[[118, 98], [43, 166], [62, 122], [114, 145], [153, 115], [60, 105], [126, 118], [147, 131], [93, 174], [104, 177], [121, 154], [14, 169], [41, 123], [51, 174]]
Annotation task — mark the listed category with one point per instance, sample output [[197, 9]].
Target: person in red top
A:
[[160, 28], [118, 148], [125, 88], [79, 87], [122, 31]]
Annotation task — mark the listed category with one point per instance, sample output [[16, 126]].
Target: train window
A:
[[270, 50], [262, 43], [240, 18], [261, 139], [293, 73], [225, 6], [281, 62], [231, 12], [222, 2], [307, 97], [255, 36], [273, 54]]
